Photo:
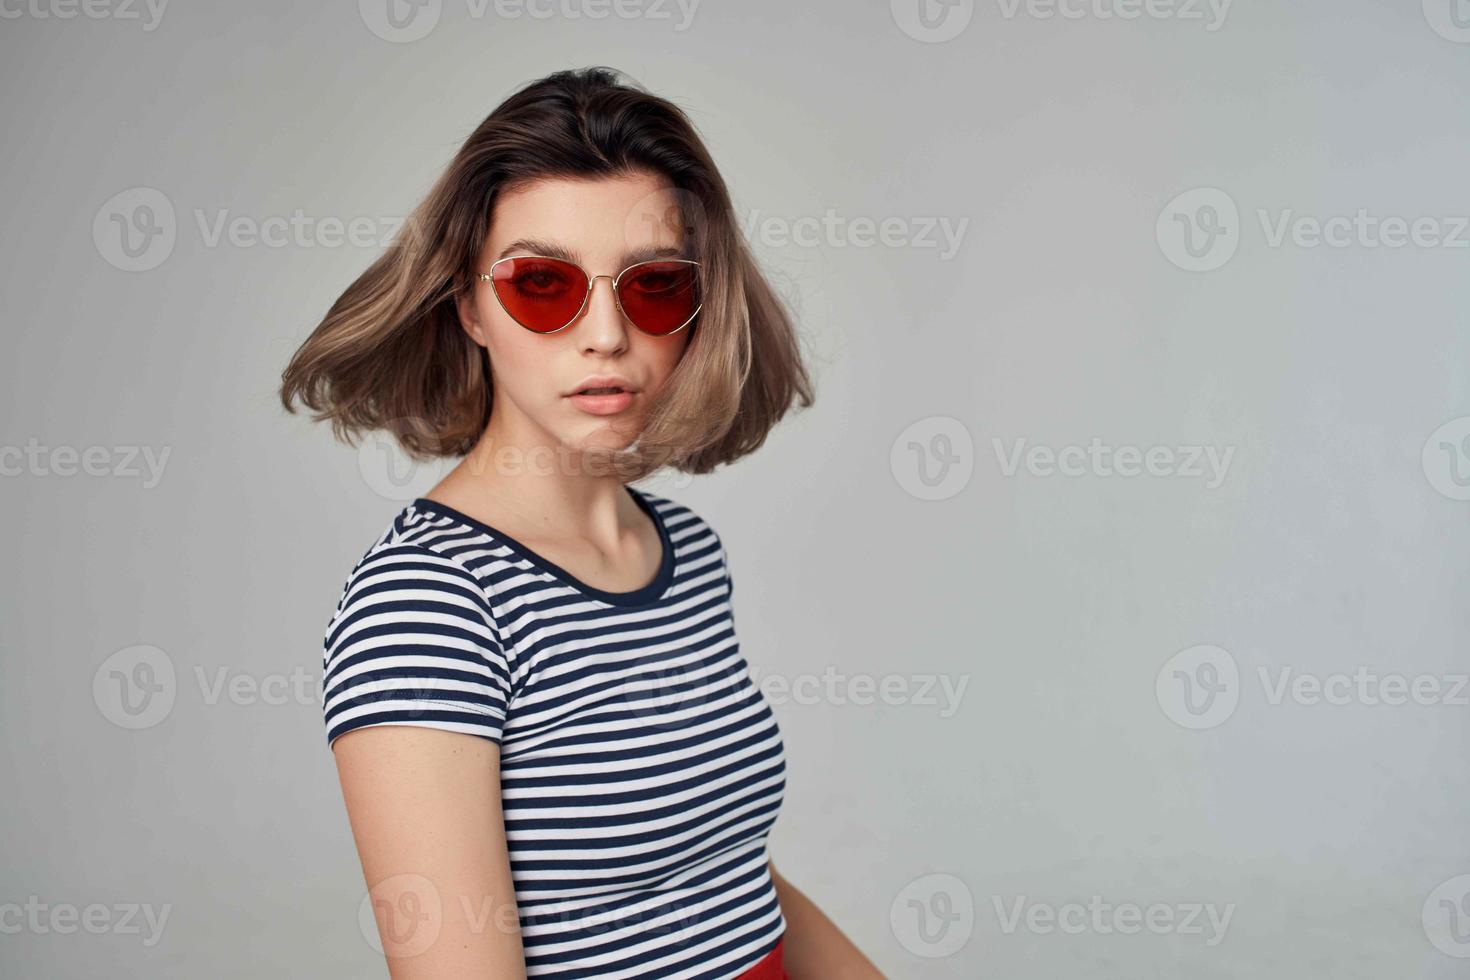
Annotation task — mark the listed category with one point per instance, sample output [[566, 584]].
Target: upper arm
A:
[[425, 812], [415, 694]]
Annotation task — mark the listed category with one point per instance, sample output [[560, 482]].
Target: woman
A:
[[553, 758]]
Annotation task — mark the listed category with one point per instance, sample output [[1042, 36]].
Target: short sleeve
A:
[[725, 564], [413, 642]]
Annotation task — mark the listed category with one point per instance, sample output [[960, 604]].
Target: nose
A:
[[602, 327]]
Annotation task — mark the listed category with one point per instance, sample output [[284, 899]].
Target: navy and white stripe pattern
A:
[[641, 769]]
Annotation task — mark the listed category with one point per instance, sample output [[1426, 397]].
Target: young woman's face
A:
[[603, 225]]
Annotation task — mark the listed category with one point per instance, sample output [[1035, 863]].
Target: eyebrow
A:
[[536, 246]]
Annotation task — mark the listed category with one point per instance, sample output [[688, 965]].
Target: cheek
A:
[[516, 354], [666, 353]]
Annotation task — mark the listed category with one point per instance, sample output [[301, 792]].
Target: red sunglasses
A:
[[546, 294]]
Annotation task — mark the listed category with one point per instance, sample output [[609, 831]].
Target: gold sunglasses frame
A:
[[591, 282]]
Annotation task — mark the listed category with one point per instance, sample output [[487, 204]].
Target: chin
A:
[[600, 435]]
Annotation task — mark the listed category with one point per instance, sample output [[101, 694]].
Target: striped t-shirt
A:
[[641, 769]]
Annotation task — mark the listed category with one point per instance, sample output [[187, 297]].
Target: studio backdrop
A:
[[1110, 597]]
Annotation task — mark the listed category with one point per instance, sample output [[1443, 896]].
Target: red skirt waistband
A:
[[769, 967]]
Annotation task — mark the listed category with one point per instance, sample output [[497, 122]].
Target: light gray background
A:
[[1062, 773]]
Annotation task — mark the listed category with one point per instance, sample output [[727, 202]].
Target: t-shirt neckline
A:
[[649, 593]]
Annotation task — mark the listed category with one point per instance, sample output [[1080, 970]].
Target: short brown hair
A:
[[391, 354]]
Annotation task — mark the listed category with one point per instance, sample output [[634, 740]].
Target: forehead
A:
[[591, 221]]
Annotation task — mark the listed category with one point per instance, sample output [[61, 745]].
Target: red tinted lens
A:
[[660, 297], [541, 294]]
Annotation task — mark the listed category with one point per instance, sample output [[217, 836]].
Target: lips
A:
[[603, 384], [614, 401]]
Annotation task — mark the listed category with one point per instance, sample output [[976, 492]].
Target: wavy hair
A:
[[390, 353]]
